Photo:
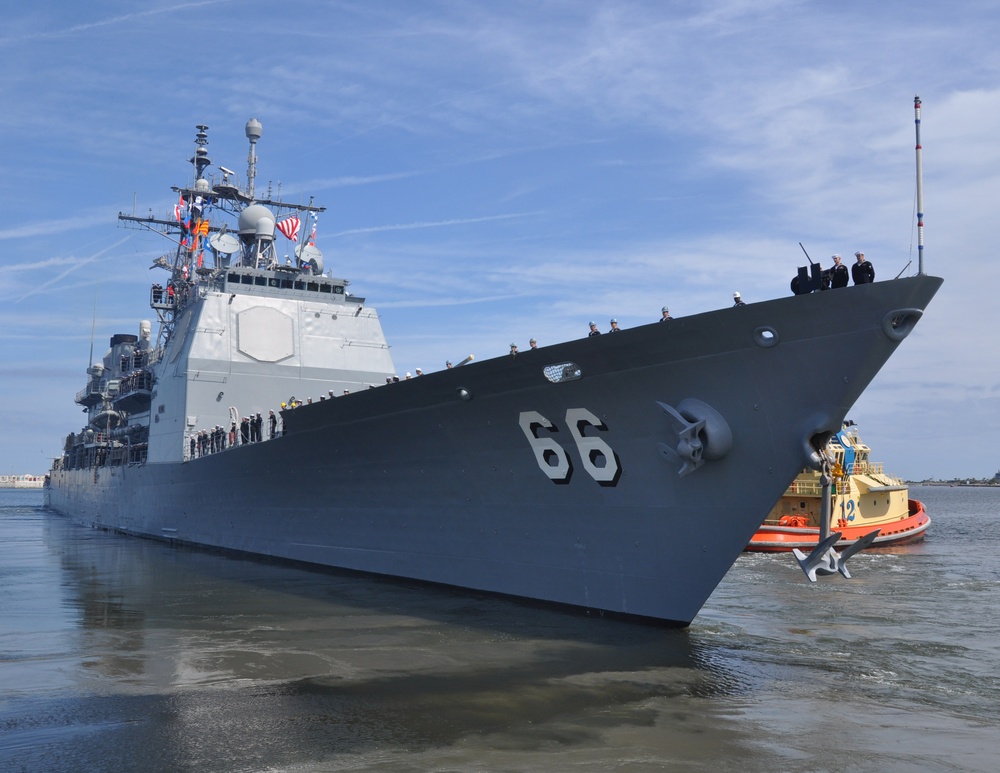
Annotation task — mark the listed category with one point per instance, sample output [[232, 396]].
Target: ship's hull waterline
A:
[[458, 478]]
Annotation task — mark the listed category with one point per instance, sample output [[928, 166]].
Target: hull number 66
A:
[[597, 458]]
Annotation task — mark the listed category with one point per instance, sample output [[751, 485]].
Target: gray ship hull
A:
[[494, 477]]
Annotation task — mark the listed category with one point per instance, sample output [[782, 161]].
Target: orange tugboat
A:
[[864, 498]]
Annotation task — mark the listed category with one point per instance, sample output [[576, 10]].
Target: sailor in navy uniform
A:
[[614, 326], [838, 274], [862, 272], [593, 330], [666, 314], [737, 300]]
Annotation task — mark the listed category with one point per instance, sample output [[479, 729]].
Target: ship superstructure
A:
[[242, 327]]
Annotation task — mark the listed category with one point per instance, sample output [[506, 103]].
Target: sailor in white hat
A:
[[862, 272], [838, 273], [666, 314]]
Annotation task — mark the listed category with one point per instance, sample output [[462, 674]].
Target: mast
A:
[[920, 189], [200, 158], [253, 132]]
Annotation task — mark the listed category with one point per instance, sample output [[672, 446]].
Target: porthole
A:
[[765, 336]]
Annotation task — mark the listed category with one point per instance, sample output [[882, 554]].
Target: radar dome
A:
[[253, 130], [250, 216], [312, 257], [265, 228]]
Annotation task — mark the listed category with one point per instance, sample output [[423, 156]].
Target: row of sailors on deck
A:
[[251, 430], [862, 272], [133, 382], [176, 290], [159, 296], [664, 316]]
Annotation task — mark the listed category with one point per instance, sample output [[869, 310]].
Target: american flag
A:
[[289, 227]]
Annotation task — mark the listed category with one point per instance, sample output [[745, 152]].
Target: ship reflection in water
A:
[[128, 655], [207, 662]]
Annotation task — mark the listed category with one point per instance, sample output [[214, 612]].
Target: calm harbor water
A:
[[118, 654]]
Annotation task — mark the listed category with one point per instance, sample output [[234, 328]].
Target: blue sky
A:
[[497, 171]]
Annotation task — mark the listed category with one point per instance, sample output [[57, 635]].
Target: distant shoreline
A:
[[966, 484], [22, 481]]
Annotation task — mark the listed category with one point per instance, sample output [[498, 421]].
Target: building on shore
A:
[[22, 481]]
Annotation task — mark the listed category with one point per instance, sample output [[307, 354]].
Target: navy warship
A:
[[618, 473]]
